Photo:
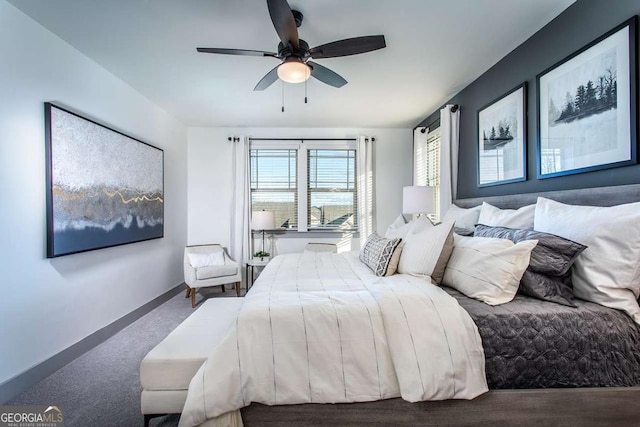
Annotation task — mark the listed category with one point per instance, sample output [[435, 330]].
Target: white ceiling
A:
[[434, 49]]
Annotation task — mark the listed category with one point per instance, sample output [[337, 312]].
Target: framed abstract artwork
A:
[[587, 107], [502, 134], [103, 188]]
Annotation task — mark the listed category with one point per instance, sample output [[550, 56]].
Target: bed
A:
[[534, 344], [320, 327], [548, 383]]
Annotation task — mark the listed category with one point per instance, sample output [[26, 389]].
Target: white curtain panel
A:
[[420, 155], [449, 142], [239, 233], [366, 189]]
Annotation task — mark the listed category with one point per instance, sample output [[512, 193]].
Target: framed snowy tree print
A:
[[587, 107], [502, 139]]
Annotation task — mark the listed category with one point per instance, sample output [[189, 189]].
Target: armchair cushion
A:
[[213, 271], [198, 260]]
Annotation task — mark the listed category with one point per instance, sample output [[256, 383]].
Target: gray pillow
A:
[[467, 232], [548, 276]]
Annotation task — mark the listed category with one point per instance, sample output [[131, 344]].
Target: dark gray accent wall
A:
[[579, 25]]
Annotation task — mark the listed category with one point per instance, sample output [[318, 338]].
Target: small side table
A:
[[251, 265]]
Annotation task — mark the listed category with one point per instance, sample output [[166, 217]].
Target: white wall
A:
[[48, 305], [209, 177]]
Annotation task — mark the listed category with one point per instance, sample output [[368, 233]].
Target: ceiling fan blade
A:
[[327, 76], [268, 79], [348, 47], [235, 51], [283, 22]]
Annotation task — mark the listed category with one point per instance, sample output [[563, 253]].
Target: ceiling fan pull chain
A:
[[282, 96], [305, 86]]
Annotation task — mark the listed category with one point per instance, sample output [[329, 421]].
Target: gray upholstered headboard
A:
[[601, 196]]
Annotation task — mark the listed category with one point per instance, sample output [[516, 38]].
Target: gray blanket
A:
[[529, 343]]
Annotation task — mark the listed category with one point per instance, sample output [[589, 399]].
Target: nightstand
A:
[[251, 265]]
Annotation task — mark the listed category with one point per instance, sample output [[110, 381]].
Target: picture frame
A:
[[502, 139], [103, 188], [587, 107]]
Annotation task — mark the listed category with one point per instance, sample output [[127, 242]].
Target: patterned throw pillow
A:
[[377, 253]]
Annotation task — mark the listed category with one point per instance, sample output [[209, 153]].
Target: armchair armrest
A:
[[189, 272], [228, 260]]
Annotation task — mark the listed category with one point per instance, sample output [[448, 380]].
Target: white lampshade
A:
[[417, 200], [263, 220], [294, 71]]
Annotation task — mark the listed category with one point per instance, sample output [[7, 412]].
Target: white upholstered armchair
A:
[[209, 265]]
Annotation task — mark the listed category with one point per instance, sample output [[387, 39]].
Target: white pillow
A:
[[426, 249], [206, 260], [486, 268], [398, 228], [608, 271], [521, 219], [463, 218]]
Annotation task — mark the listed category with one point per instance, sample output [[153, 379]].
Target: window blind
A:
[[332, 190], [274, 184], [427, 164]]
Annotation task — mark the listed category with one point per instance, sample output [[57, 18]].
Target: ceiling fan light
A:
[[294, 71]]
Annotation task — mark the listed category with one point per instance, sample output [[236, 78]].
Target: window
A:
[[273, 185], [551, 160], [309, 186], [332, 198], [427, 167]]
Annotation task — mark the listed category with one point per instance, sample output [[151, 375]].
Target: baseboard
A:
[[23, 381]]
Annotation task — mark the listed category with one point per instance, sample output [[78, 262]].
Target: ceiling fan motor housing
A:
[[301, 52]]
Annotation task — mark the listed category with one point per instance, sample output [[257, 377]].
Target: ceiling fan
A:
[[294, 53]]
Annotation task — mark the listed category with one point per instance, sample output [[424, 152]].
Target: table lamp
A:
[[261, 221], [417, 199]]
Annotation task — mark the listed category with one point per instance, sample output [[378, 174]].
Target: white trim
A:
[[302, 189], [330, 145], [302, 147], [274, 145]]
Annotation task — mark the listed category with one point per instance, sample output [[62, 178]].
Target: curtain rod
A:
[[433, 124], [237, 139], [453, 109], [302, 139]]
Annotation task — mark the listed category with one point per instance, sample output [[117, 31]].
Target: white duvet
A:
[[322, 328]]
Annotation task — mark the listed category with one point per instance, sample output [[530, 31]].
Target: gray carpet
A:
[[102, 387]]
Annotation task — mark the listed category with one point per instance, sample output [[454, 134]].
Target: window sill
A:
[[287, 234]]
